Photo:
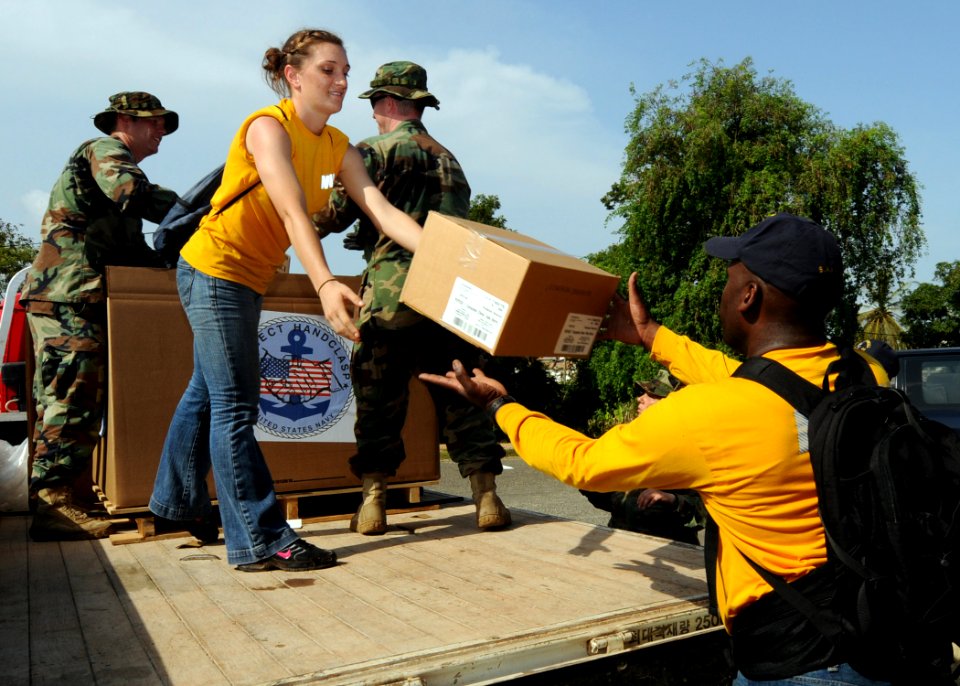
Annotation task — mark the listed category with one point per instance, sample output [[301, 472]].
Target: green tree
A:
[[16, 251], [879, 322], [931, 312], [484, 208], [717, 152]]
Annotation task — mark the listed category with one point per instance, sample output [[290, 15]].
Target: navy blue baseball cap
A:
[[796, 255], [882, 353]]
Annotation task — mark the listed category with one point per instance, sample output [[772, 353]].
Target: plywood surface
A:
[[432, 594]]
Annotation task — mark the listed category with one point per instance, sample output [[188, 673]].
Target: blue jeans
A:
[[214, 423], [841, 675]]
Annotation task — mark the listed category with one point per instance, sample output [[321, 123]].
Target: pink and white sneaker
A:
[[299, 556]]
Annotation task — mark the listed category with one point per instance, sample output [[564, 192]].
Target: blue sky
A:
[[533, 94]]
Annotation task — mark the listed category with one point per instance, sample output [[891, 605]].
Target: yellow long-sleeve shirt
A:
[[740, 445]]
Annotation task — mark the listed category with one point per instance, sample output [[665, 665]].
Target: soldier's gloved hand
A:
[[364, 237], [352, 241]]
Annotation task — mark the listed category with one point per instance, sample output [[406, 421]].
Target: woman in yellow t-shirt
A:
[[280, 169]]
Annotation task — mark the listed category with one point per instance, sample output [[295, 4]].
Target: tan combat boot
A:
[[491, 512], [58, 518], [371, 518]]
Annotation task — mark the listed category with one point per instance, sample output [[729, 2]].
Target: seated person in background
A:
[[677, 515]]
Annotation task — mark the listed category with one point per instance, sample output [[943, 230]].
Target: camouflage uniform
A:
[[416, 174], [93, 219], [679, 522]]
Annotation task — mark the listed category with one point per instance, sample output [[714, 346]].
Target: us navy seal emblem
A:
[[304, 376]]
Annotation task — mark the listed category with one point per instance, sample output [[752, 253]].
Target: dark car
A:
[[931, 379]]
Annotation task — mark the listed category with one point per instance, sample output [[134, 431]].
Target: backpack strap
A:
[[789, 385], [711, 545], [251, 186], [237, 197], [824, 620], [851, 370], [804, 397]]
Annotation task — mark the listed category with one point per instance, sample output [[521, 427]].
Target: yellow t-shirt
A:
[[734, 441], [247, 242]]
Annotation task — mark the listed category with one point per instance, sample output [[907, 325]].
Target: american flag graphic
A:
[[305, 378]]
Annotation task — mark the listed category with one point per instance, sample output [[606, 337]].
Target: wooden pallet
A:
[[412, 489], [299, 509], [405, 498]]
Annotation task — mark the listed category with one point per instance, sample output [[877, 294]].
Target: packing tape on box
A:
[[473, 247]]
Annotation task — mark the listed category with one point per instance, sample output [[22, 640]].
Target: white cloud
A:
[[35, 204], [528, 136], [533, 94], [522, 135]]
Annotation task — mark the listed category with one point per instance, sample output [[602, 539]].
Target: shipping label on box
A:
[[474, 312], [505, 292], [578, 334]]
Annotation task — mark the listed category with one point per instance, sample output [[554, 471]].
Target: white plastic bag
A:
[[13, 477]]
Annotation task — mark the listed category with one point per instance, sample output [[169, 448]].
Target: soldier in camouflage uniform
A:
[[679, 514], [93, 219], [417, 175]]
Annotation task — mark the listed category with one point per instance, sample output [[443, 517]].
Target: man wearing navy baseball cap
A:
[[737, 443], [794, 254]]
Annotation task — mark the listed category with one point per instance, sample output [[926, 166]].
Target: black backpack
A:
[[888, 484], [184, 217]]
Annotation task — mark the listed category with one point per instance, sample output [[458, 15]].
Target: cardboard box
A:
[[506, 293], [150, 362]]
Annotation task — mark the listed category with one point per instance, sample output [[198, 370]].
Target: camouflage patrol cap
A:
[[404, 80], [135, 104], [660, 387]]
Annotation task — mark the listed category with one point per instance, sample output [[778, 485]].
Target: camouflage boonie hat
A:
[[135, 104], [404, 80], [660, 387]]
